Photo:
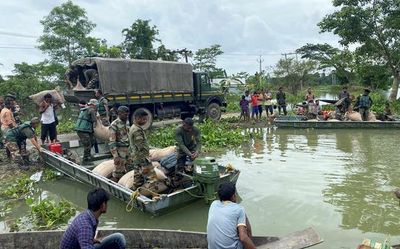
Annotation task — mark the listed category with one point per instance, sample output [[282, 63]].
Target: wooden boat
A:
[[191, 191], [150, 238], [296, 122]]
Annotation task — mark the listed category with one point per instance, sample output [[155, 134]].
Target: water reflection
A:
[[363, 194]]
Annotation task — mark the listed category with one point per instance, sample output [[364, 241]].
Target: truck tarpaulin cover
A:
[[121, 76]]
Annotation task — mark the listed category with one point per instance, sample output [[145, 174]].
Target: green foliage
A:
[[233, 102], [47, 214], [329, 57], [371, 25], [50, 174], [66, 34], [205, 60], [294, 73], [66, 126], [215, 135], [19, 189], [139, 39]]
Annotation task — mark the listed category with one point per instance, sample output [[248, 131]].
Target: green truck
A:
[[163, 89]]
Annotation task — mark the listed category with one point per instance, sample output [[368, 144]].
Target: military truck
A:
[[163, 89]]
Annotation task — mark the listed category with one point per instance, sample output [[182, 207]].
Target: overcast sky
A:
[[244, 29]]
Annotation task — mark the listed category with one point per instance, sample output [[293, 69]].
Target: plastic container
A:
[[56, 148]]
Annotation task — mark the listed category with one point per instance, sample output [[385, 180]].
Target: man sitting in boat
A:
[[188, 140], [81, 232], [228, 225], [139, 150]]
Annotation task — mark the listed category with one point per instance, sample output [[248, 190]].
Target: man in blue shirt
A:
[[81, 232], [228, 226]]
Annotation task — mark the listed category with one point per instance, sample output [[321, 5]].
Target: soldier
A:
[[139, 150], [71, 76], [102, 108], [119, 142], [188, 140], [92, 78], [84, 127], [16, 142]]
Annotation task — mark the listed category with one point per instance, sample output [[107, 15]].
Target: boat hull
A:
[[152, 238], [156, 207], [337, 124]]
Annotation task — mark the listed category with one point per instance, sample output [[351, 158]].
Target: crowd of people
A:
[[253, 105], [14, 132]]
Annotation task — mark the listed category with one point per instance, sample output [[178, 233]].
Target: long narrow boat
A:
[[150, 238], [193, 190], [295, 122]]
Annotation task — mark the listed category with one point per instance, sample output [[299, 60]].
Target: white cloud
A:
[[243, 28]]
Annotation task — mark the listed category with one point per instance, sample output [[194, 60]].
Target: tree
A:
[[139, 39], [166, 54], [373, 26], [294, 73], [205, 60], [329, 57], [66, 34]]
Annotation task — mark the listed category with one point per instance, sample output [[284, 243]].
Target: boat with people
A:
[[153, 238], [202, 183], [299, 122]]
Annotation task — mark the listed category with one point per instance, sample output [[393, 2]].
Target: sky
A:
[[244, 29]]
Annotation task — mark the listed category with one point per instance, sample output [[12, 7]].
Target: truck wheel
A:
[[149, 117], [214, 111]]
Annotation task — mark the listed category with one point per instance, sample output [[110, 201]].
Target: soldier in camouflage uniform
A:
[[139, 150], [119, 142], [92, 78], [188, 140], [102, 108], [16, 142], [84, 128]]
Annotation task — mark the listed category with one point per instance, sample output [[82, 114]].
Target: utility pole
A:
[[260, 61], [183, 52]]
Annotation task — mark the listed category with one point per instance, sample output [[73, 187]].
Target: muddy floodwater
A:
[[338, 181]]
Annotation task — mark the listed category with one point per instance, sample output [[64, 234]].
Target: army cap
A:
[[11, 96], [123, 108], [93, 102], [188, 121], [35, 120]]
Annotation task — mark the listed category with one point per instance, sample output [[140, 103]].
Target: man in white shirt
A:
[[228, 226], [48, 119]]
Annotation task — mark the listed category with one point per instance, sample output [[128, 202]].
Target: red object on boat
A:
[[56, 148]]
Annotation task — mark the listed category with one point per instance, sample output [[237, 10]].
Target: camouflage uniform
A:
[[15, 141], [92, 78], [119, 145], [139, 151], [102, 111], [187, 142], [84, 129]]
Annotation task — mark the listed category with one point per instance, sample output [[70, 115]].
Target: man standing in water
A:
[[228, 226], [81, 232]]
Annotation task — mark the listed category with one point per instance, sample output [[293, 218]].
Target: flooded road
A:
[[338, 181]]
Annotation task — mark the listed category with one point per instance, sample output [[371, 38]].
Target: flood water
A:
[[338, 181]]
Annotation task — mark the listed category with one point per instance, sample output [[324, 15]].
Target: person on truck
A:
[[102, 108], [92, 78], [15, 141], [188, 140], [71, 76], [119, 142], [84, 127]]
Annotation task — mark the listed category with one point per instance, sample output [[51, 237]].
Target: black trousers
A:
[[48, 130]]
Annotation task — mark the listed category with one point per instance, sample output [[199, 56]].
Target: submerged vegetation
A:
[[223, 134]]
